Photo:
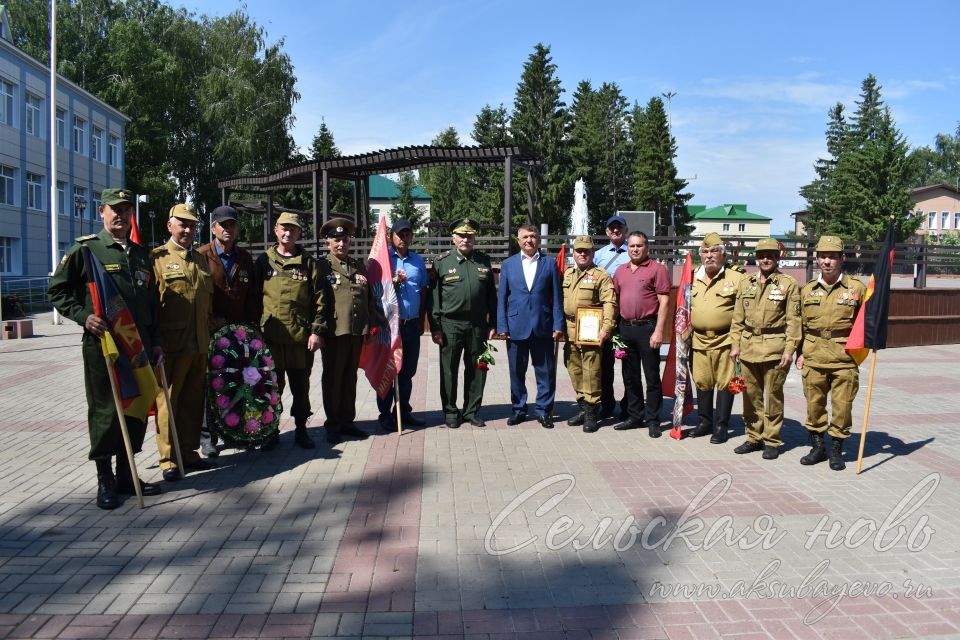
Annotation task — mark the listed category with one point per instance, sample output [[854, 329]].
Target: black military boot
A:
[[125, 480], [577, 419], [818, 453], [106, 485], [301, 437], [591, 414], [722, 423], [836, 454], [705, 411]]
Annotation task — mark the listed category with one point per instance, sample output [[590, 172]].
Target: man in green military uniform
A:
[[586, 285], [127, 264], [350, 298], [185, 288], [764, 334], [712, 298], [829, 306], [462, 319], [294, 318]]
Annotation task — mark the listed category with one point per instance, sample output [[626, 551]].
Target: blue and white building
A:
[[90, 140]]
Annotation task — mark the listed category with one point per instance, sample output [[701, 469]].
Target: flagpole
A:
[[172, 423], [127, 445], [396, 404], [866, 411]]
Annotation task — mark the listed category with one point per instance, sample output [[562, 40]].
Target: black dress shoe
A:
[[333, 437], [409, 421], [199, 465], [545, 421], [352, 431], [770, 452], [749, 447], [654, 430], [387, 424], [628, 424], [107, 493], [477, 422], [146, 488], [516, 419], [452, 422], [172, 474], [303, 439]]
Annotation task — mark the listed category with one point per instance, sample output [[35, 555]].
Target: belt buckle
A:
[[711, 334]]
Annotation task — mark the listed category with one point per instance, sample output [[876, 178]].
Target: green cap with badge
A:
[[830, 243], [583, 242], [712, 239], [337, 228], [289, 218], [465, 226], [768, 244], [113, 197], [184, 211]]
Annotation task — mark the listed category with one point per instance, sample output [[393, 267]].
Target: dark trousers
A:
[[299, 388], [341, 357], [464, 340], [641, 359], [519, 353], [410, 339], [103, 425], [607, 401]]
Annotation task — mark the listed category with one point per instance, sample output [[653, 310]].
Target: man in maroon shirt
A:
[[643, 293]]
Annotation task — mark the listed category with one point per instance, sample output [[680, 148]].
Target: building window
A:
[[6, 103], [742, 226], [61, 197], [6, 254], [31, 115], [80, 203], [726, 226], [61, 128], [96, 144], [113, 151], [34, 191], [7, 175], [956, 221], [945, 220], [94, 208], [79, 135], [932, 220]]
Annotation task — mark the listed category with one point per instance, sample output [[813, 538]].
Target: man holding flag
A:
[[829, 305], [130, 312]]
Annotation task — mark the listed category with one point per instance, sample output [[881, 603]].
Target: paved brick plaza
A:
[[405, 536]]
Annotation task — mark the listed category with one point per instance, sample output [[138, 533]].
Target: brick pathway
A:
[[612, 535]]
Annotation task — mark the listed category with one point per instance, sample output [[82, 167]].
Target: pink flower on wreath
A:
[[232, 419], [223, 342], [267, 361], [217, 383], [251, 376], [217, 361], [256, 345], [619, 354], [252, 425], [267, 417], [241, 333], [223, 402], [274, 399]]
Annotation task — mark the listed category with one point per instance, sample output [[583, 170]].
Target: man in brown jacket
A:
[[235, 299]]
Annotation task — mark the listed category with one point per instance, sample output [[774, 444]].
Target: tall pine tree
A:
[[656, 186], [324, 147], [484, 187], [445, 184], [818, 192]]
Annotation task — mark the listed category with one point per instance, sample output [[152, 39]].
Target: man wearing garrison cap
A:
[[712, 298], [829, 306], [764, 335], [462, 319]]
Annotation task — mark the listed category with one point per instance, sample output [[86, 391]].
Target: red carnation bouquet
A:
[[737, 383], [486, 359]]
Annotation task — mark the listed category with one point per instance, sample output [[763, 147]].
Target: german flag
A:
[[870, 326]]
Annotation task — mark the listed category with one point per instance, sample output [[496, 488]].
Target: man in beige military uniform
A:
[[712, 298], [293, 320], [586, 285], [186, 298], [829, 306], [764, 334], [351, 299]]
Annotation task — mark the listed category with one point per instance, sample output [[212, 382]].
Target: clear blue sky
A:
[[754, 80]]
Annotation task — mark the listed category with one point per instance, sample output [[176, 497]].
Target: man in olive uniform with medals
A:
[[293, 320], [351, 303], [712, 299], [127, 264], [235, 299], [186, 295], [829, 306], [586, 285], [462, 319], [764, 335]]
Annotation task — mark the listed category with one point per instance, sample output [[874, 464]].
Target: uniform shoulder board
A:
[[568, 270], [738, 268], [85, 238], [443, 255], [159, 251]]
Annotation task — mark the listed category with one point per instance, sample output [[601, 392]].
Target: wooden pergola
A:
[[317, 175]]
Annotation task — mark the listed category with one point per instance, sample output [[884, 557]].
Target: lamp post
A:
[[144, 198], [80, 205], [153, 229]]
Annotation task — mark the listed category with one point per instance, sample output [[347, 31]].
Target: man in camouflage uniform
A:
[[127, 264], [293, 319], [350, 298], [586, 285], [712, 298], [764, 334], [829, 306], [462, 319], [186, 295]]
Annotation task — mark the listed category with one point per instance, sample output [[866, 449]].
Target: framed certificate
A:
[[589, 320]]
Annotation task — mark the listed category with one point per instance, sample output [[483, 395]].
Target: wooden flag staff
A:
[[173, 423], [127, 445], [866, 411]]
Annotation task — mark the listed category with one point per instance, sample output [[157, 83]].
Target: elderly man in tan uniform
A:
[[712, 298], [186, 298], [351, 298], [829, 306], [764, 335], [586, 285]]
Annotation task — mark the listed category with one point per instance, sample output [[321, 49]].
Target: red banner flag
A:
[[382, 353], [562, 258], [870, 327], [676, 373], [135, 230]]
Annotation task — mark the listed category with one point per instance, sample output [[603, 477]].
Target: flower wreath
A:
[[243, 402]]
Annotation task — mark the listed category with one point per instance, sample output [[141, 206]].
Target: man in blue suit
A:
[[530, 315]]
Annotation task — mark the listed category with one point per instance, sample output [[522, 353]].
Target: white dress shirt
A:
[[529, 268]]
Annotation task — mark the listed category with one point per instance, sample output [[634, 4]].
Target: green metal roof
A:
[[727, 212], [386, 189]]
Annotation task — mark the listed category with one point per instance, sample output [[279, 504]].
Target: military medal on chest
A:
[[776, 293]]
